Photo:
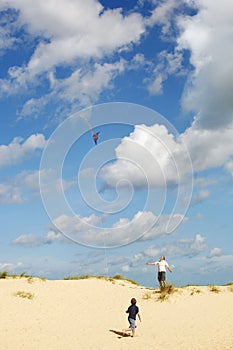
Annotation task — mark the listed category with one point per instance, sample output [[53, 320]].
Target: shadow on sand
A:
[[120, 333]]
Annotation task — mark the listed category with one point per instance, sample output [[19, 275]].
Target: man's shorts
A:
[[132, 323], [162, 276]]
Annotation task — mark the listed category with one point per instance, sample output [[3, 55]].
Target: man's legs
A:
[[162, 280]]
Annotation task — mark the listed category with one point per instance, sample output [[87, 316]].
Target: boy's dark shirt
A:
[[132, 311]]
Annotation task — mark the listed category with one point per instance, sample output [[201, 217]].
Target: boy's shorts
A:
[[132, 324]]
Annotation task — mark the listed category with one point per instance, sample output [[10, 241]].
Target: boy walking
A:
[[133, 312]]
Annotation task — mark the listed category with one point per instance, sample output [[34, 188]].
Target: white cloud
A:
[[209, 148], [7, 266], [83, 86], [26, 185], [150, 156], [182, 247], [32, 240], [20, 149], [52, 236], [7, 26], [81, 29], [89, 230], [207, 36], [43, 180], [27, 240], [10, 194], [168, 64], [160, 228], [163, 14], [229, 167], [215, 252], [125, 268], [201, 196]]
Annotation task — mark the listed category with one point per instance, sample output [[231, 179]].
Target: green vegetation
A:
[[229, 284], [111, 279], [122, 278], [195, 291], [213, 288], [190, 285], [25, 295], [3, 274], [166, 291]]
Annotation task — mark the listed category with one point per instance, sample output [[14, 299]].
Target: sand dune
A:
[[90, 314]]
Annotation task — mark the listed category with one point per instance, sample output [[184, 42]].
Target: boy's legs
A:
[[132, 327]]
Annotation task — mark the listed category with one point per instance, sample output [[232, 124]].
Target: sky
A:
[[155, 79]]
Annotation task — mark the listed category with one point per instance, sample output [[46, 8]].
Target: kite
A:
[[94, 135]]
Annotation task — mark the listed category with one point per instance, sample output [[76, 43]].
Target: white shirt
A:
[[162, 265]]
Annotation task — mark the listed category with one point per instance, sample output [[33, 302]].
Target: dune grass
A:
[[24, 295], [30, 279], [228, 284], [161, 295], [111, 279], [195, 291], [166, 292], [213, 288]]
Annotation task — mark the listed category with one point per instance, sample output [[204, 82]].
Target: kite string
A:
[[88, 123], [105, 252]]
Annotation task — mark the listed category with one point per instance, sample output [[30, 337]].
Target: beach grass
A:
[[111, 279], [25, 295], [213, 288]]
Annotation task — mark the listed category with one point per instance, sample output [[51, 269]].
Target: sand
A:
[[90, 314]]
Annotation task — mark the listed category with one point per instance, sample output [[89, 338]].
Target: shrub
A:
[[193, 291], [166, 291], [213, 288], [229, 284], [83, 277], [3, 274]]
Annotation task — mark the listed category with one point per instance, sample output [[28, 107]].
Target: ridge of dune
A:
[[90, 313]]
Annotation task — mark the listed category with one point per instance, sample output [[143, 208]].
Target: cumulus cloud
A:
[[143, 226], [10, 194], [89, 230], [150, 156], [201, 196], [209, 148], [187, 247], [229, 167], [28, 184], [32, 240], [20, 149], [8, 266], [71, 35], [7, 25], [169, 63], [207, 36], [27, 240], [215, 252], [81, 29]]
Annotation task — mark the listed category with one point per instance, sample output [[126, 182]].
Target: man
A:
[[162, 266]]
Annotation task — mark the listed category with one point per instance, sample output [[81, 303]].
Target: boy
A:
[[133, 311]]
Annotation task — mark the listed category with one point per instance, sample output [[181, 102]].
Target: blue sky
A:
[[155, 78]]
